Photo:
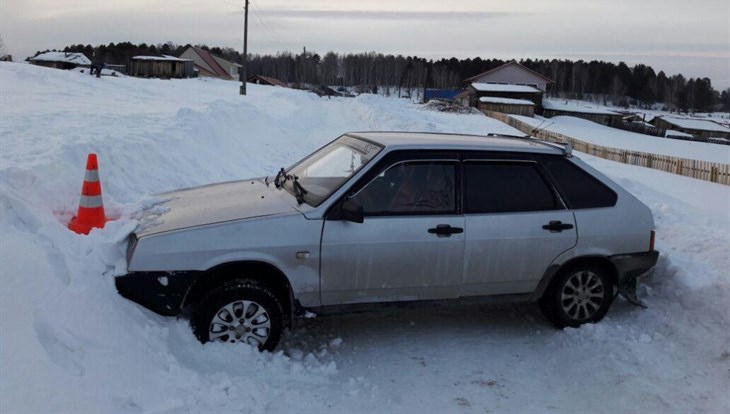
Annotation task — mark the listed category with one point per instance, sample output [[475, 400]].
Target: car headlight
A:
[[131, 246]]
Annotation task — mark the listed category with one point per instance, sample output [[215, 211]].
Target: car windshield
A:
[[319, 175]]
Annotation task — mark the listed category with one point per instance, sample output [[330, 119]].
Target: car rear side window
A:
[[499, 187], [578, 188]]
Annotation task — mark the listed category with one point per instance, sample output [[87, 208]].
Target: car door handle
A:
[[557, 226], [445, 230]]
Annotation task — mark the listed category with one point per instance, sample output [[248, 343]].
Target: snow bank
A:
[[68, 342], [594, 133]]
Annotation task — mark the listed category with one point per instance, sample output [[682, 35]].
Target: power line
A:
[[266, 27]]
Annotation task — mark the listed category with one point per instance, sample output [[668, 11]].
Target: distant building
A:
[[606, 117], [6, 58], [210, 65], [697, 127], [513, 73], [61, 60], [506, 91], [506, 105], [165, 67], [509, 81], [265, 80]]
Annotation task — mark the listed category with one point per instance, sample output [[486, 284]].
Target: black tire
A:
[[220, 316], [579, 294]]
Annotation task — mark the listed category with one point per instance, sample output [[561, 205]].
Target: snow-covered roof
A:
[[718, 139], [506, 101], [76, 58], [670, 133], [501, 87], [575, 107], [163, 57], [698, 124]]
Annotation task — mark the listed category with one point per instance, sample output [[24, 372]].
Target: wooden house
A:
[[509, 81], [210, 65], [606, 117], [265, 80], [61, 60], [514, 74], [165, 67], [697, 127]]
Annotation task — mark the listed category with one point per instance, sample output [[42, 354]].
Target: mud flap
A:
[[628, 291]]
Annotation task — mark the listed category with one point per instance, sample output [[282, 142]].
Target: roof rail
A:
[[493, 134]]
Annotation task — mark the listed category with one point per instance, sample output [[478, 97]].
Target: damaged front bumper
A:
[[160, 292]]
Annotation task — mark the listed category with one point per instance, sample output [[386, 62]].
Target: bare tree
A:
[[3, 49]]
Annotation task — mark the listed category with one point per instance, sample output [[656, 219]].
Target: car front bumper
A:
[[160, 292]]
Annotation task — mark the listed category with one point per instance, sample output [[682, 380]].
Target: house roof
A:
[[502, 87], [696, 124], [506, 101], [212, 62], [76, 58], [513, 62], [273, 81], [163, 57], [576, 108]]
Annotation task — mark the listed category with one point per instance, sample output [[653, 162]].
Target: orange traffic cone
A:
[[91, 207]]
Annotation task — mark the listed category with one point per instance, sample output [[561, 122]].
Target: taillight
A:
[[651, 241]]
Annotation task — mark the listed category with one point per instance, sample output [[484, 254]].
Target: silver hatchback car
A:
[[378, 218]]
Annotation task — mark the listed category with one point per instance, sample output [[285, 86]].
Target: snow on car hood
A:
[[215, 203]]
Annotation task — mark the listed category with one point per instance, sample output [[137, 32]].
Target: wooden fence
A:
[[703, 170]]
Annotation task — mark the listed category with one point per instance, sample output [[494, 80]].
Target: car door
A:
[[410, 244], [516, 225]]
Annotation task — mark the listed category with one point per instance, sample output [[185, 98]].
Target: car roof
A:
[[447, 141]]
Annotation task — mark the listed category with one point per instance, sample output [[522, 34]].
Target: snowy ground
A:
[[69, 343]]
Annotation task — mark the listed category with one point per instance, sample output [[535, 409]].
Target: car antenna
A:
[[539, 127]]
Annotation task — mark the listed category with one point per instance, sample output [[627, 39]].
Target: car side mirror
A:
[[351, 211]]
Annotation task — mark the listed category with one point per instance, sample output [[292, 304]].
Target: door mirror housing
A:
[[351, 211]]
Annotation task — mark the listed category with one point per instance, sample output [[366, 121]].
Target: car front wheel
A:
[[581, 294], [243, 312]]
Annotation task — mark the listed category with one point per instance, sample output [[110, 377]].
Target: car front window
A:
[[323, 172]]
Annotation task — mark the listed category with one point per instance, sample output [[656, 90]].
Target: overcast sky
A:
[[677, 36]]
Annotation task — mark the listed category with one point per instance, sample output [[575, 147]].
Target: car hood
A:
[[214, 203]]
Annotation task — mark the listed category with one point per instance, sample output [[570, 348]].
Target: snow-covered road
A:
[[68, 342]]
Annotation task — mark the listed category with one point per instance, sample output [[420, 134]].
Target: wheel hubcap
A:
[[241, 321], [582, 295]]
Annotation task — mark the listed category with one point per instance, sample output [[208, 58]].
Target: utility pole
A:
[[242, 73]]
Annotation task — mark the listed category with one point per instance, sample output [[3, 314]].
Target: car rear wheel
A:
[[580, 294], [243, 312]]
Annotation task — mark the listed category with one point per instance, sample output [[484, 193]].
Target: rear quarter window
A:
[[578, 188]]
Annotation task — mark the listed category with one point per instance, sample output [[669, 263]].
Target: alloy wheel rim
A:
[[241, 321], [582, 295]]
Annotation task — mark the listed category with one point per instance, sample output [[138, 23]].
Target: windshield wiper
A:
[[281, 176], [299, 191]]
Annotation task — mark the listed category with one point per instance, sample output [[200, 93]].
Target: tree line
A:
[[378, 72]]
